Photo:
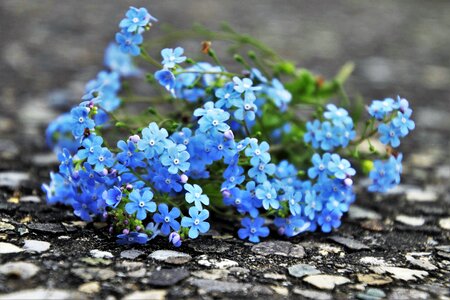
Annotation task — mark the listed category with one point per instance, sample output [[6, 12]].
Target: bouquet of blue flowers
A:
[[239, 145]]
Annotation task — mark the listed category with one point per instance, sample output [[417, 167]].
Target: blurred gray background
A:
[[50, 48]]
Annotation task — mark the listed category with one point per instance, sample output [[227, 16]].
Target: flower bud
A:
[[226, 193], [184, 178], [229, 135], [125, 231], [138, 228], [134, 138], [348, 181], [129, 186], [281, 230]]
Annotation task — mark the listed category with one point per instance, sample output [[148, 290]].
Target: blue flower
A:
[[84, 206], [90, 145], [340, 206], [385, 174], [260, 171], [403, 122], [119, 62], [101, 158], [267, 193], [340, 168], [66, 162], [136, 19], [313, 204], [292, 225], [129, 42], [166, 79], [244, 85], [196, 223], [379, 109], [226, 96], [329, 219], [294, 201], [113, 196], [213, 121], [337, 115], [246, 109], [175, 158], [153, 140], [313, 133], [172, 57], [320, 166], [167, 219], [129, 156], [258, 153], [140, 203], [165, 181], [253, 229], [389, 134], [329, 136], [154, 229], [81, 121], [279, 94], [194, 194], [132, 238]]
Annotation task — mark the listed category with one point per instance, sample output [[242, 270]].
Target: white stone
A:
[[36, 246], [42, 293], [13, 179], [411, 221], [101, 254], [223, 263], [90, 287], [356, 213], [326, 282], [419, 195], [401, 273], [6, 248], [445, 223], [169, 256], [372, 261], [24, 270], [147, 295]]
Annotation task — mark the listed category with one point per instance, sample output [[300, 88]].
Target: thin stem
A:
[[148, 58], [229, 74]]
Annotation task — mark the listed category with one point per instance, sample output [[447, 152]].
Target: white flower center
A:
[[141, 204], [269, 196], [151, 142], [167, 219], [135, 20], [196, 221], [215, 122], [176, 161], [253, 230], [81, 120], [101, 158]]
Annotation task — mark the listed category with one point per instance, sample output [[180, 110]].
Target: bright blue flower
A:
[[294, 201], [320, 166], [80, 121], [258, 153], [166, 79], [119, 62], [140, 203], [226, 96], [66, 162], [253, 229], [260, 171], [136, 19], [90, 145], [182, 137], [129, 42], [101, 158], [292, 225], [385, 174], [279, 94], [172, 57], [154, 228], [88, 176], [329, 219], [379, 109], [337, 115], [234, 175], [313, 133], [165, 181], [329, 136], [312, 205], [194, 194], [58, 134], [59, 190], [267, 193], [129, 156], [256, 74], [196, 223], [340, 168], [175, 158], [245, 109], [105, 82], [403, 122], [167, 219], [244, 85], [339, 206], [113, 196], [153, 140], [389, 134], [84, 206], [214, 121], [132, 238]]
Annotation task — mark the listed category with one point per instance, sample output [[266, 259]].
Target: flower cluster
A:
[[232, 143]]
